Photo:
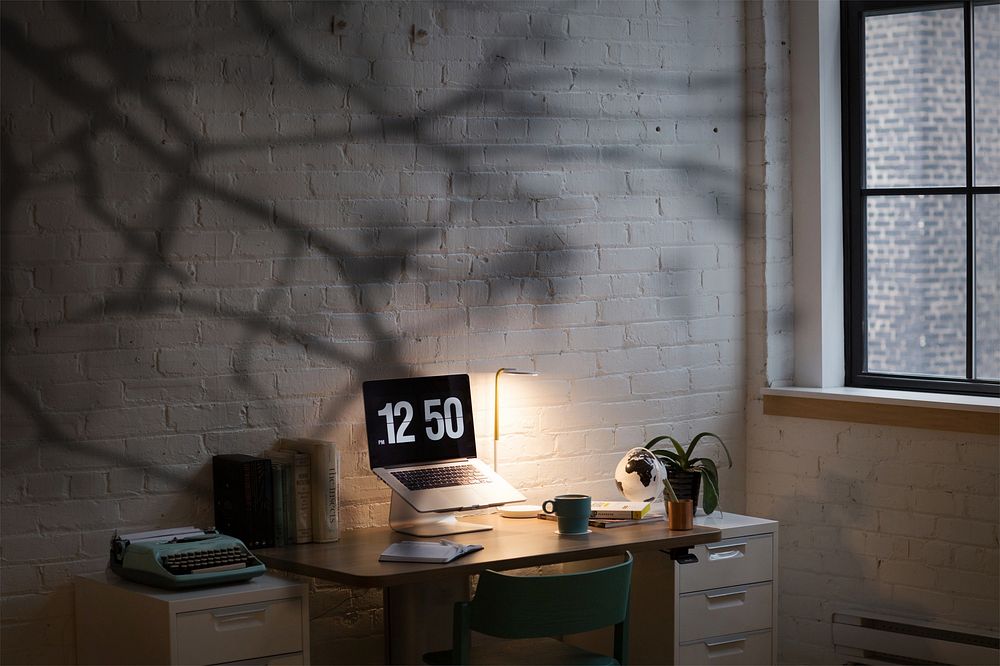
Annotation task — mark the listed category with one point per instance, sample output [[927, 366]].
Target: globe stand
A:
[[403, 518]]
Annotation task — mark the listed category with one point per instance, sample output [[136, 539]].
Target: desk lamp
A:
[[496, 404], [519, 510]]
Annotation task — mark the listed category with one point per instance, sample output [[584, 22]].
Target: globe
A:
[[639, 476]]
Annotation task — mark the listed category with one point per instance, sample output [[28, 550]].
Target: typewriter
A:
[[182, 557]]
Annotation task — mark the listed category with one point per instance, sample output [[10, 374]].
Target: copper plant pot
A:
[[680, 515]]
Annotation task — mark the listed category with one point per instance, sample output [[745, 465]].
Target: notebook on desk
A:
[[422, 444], [440, 552]]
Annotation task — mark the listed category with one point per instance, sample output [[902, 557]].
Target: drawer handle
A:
[[725, 648], [243, 616], [734, 550], [720, 600]]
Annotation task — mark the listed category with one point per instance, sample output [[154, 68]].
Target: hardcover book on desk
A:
[[244, 498], [298, 494], [325, 477], [619, 510]]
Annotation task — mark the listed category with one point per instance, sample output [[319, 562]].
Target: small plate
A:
[[520, 511], [574, 533]]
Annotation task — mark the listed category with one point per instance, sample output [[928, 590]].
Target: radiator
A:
[[866, 638]]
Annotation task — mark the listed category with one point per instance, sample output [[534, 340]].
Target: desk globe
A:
[[639, 476]]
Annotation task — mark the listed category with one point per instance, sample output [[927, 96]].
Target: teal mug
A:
[[572, 512]]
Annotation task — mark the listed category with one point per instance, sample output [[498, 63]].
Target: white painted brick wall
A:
[[211, 244], [895, 520]]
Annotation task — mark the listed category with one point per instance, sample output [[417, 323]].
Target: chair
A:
[[536, 607]]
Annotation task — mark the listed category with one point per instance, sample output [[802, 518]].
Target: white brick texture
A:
[[220, 218]]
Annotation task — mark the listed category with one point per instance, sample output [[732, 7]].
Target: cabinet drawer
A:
[[729, 610], [233, 633], [727, 563], [733, 649]]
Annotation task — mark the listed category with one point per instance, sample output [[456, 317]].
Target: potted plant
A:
[[686, 472]]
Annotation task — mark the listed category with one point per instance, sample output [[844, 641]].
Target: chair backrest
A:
[[534, 606]]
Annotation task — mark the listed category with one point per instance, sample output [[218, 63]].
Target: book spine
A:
[[280, 527], [326, 473], [611, 523], [303, 499], [290, 509], [616, 515], [324, 478]]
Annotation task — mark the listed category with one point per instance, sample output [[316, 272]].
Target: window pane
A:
[[915, 99], [988, 286], [916, 285], [986, 93]]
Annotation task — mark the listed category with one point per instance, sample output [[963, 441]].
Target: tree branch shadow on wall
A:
[[166, 286]]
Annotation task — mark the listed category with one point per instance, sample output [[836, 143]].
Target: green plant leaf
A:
[[668, 458], [710, 474], [656, 440], [682, 456], [709, 465], [698, 438], [711, 494], [677, 447], [699, 464]]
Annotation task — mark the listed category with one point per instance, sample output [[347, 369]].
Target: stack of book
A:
[[305, 474], [610, 514], [619, 514]]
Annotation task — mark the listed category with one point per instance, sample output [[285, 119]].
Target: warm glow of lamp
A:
[[496, 404]]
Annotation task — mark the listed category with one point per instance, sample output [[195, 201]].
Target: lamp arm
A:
[[496, 414], [496, 404]]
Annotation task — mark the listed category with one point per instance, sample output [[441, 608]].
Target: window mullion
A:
[[970, 218], [855, 244], [930, 190]]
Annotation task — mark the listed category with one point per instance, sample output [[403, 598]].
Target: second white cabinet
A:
[[724, 606]]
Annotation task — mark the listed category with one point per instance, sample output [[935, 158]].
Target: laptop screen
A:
[[419, 420]]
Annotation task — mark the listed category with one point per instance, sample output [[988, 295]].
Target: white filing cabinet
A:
[[261, 621], [725, 603]]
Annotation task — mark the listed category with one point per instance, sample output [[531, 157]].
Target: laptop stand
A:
[[405, 519]]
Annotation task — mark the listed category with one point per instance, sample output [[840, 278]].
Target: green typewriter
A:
[[182, 557]]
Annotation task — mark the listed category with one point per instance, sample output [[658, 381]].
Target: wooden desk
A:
[[418, 597]]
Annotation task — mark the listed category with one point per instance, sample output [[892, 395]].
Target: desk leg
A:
[[418, 617], [652, 609]]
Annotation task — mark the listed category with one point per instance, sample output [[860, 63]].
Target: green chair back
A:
[[509, 606]]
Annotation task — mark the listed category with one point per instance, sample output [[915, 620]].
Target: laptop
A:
[[422, 444]]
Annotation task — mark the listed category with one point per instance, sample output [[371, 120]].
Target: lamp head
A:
[[515, 371]]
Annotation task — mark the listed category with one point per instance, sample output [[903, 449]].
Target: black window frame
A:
[[852, 17]]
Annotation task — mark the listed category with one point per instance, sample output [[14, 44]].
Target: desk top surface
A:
[[512, 544]]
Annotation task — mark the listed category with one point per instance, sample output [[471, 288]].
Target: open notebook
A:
[[426, 551]]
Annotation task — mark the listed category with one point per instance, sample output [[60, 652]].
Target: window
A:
[[922, 195]]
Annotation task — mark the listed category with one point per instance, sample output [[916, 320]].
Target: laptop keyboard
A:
[[440, 477]]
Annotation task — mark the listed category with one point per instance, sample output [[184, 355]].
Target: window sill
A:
[[931, 411]]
